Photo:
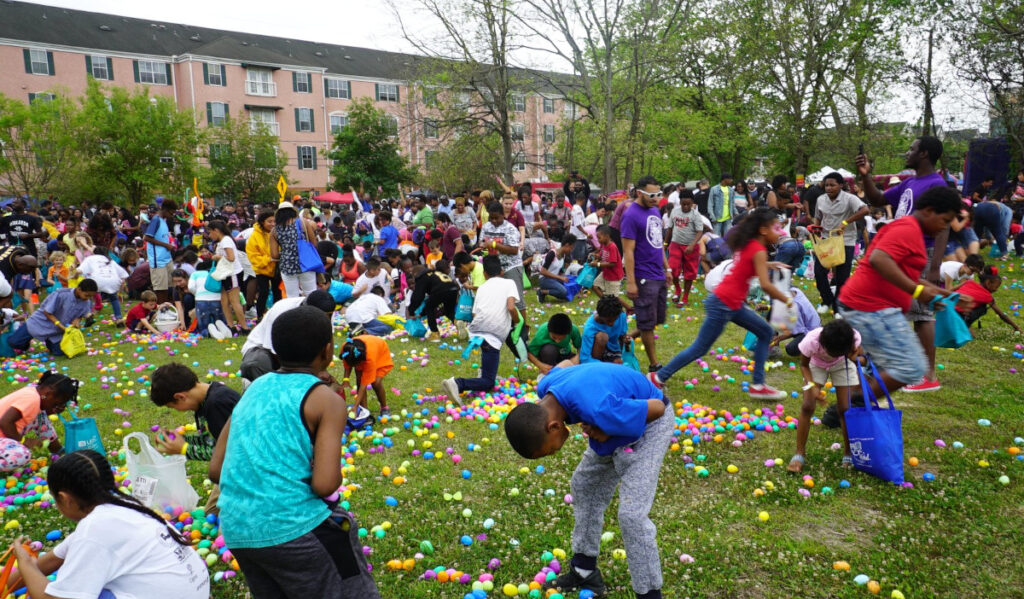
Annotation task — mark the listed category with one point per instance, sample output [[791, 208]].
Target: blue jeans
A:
[[489, 360], [995, 218], [21, 339], [207, 313], [378, 328], [554, 287], [716, 316], [115, 303], [891, 341], [791, 253], [721, 227]]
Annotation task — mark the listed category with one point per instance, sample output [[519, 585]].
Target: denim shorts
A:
[[890, 340]]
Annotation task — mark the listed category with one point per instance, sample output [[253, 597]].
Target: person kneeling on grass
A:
[[370, 358], [119, 548], [556, 340], [605, 332], [278, 456], [61, 309], [26, 411], [630, 426], [137, 319], [828, 352], [361, 315], [176, 387]]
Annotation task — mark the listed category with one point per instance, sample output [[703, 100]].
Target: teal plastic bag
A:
[[415, 328], [629, 357], [5, 347], [586, 276], [464, 310], [750, 341], [81, 433], [950, 330]]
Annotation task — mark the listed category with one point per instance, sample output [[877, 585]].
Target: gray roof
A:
[[47, 25]]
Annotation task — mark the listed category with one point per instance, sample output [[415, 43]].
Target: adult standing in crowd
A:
[[159, 250], [258, 249], [721, 205], [645, 263], [284, 247], [835, 212]]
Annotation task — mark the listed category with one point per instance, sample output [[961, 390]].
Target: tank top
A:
[[266, 498], [350, 275]]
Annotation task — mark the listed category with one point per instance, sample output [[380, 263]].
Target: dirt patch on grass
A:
[[846, 535]]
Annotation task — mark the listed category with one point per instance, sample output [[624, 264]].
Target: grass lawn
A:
[[958, 536]]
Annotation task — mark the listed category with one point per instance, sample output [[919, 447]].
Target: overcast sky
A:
[[372, 24]]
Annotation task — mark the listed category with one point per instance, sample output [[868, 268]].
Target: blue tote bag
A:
[[464, 310], [81, 433], [950, 330], [309, 258], [876, 435]]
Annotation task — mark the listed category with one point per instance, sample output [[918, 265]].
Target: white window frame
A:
[[312, 160], [518, 132], [217, 149], [155, 70], [430, 128], [265, 116], [549, 134], [341, 87], [260, 82], [338, 115], [298, 125], [393, 119], [214, 122], [518, 103], [519, 162], [210, 74], [34, 60], [427, 156], [549, 161], [309, 82], [549, 103], [101, 62], [384, 92]]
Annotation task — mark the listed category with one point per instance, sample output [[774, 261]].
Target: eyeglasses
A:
[[653, 194]]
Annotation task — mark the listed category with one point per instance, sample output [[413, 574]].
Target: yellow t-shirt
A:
[[725, 205]]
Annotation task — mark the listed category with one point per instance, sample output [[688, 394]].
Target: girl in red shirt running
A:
[[747, 239]]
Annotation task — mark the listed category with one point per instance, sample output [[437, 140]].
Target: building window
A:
[[218, 151], [549, 105], [42, 97], [549, 161], [430, 98], [338, 88], [430, 128], [152, 72], [338, 122], [428, 158], [260, 82], [100, 67], [213, 74], [263, 119], [307, 158], [216, 113], [387, 92], [391, 124], [304, 119], [518, 103], [38, 62], [569, 109], [549, 134], [518, 131], [519, 162], [302, 83]]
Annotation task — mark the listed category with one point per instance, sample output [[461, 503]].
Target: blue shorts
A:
[[890, 340]]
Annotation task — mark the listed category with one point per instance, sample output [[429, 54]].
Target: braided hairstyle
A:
[[64, 386], [87, 476]]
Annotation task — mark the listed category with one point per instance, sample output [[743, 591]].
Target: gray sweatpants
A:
[[636, 474], [516, 276]]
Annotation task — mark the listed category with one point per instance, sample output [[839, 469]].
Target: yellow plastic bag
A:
[[830, 251], [392, 320], [73, 342]]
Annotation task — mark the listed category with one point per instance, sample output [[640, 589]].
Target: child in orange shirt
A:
[[370, 357], [435, 253]]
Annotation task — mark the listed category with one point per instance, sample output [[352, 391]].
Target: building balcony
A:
[[272, 128], [260, 88]]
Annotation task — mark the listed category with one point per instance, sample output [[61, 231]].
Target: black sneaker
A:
[[654, 368], [570, 580]]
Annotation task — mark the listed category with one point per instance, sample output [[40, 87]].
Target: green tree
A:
[[142, 144], [244, 161], [464, 164], [37, 140], [366, 152]]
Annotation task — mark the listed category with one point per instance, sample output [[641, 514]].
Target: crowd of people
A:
[[277, 274]]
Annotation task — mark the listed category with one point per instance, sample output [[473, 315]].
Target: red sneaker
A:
[[653, 378], [923, 386], [765, 392]]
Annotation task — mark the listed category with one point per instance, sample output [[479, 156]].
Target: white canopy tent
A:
[[819, 175]]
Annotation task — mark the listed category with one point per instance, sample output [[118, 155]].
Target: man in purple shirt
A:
[[644, 261], [922, 156]]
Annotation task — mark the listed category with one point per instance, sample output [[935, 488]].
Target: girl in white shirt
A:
[[230, 302], [120, 548]]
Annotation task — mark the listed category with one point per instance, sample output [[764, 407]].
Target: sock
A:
[[655, 594], [584, 565], [583, 573]]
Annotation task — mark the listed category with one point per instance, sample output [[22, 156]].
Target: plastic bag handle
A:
[[949, 300], [151, 456]]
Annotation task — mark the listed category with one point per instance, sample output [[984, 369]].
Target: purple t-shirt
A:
[[904, 196], [645, 227]]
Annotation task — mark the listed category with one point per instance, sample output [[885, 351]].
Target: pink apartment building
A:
[[299, 89]]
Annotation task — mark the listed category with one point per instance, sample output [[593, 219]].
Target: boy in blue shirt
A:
[[630, 426], [604, 333], [388, 234]]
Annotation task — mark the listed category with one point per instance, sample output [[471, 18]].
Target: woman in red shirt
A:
[[726, 303], [878, 294]]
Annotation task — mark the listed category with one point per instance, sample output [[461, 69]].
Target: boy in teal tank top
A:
[[276, 461]]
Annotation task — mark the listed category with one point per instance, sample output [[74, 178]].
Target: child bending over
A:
[[604, 333], [138, 317], [988, 283], [370, 358]]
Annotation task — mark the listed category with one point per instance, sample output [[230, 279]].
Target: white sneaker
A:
[[823, 309], [214, 331], [251, 312], [225, 331], [452, 389]]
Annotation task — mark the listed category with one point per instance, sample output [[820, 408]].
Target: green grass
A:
[[958, 536]]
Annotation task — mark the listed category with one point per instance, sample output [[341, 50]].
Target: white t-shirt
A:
[[129, 554], [197, 287], [365, 284], [951, 270], [491, 319], [366, 308], [592, 219], [108, 274], [227, 243], [578, 220], [673, 198], [260, 334]]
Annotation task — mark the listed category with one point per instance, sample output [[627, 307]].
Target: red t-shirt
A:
[[978, 293], [734, 287], [867, 290], [610, 253], [137, 313]]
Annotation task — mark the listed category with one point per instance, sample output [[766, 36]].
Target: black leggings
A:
[[446, 300], [265, 286]]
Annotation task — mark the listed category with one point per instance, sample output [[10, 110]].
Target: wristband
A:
[[808, 386], [917, 291], [184, 448], [845, 223]]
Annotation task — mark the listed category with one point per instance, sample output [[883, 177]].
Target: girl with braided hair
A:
[[119, 549], [27, 411]]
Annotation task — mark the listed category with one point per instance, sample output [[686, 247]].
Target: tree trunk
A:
[[607, 147], [927, 127]]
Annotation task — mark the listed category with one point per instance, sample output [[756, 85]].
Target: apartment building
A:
[[299, 89]]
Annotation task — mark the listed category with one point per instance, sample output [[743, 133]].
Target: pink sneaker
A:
[[765, 392], [653, 378], [924, 385]]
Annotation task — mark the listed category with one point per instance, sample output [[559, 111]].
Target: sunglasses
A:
[[653, 194]]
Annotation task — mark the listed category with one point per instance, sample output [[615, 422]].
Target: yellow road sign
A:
[[282, 187]]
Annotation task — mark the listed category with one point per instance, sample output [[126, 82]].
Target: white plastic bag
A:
[[782, 317], [158, 481]]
